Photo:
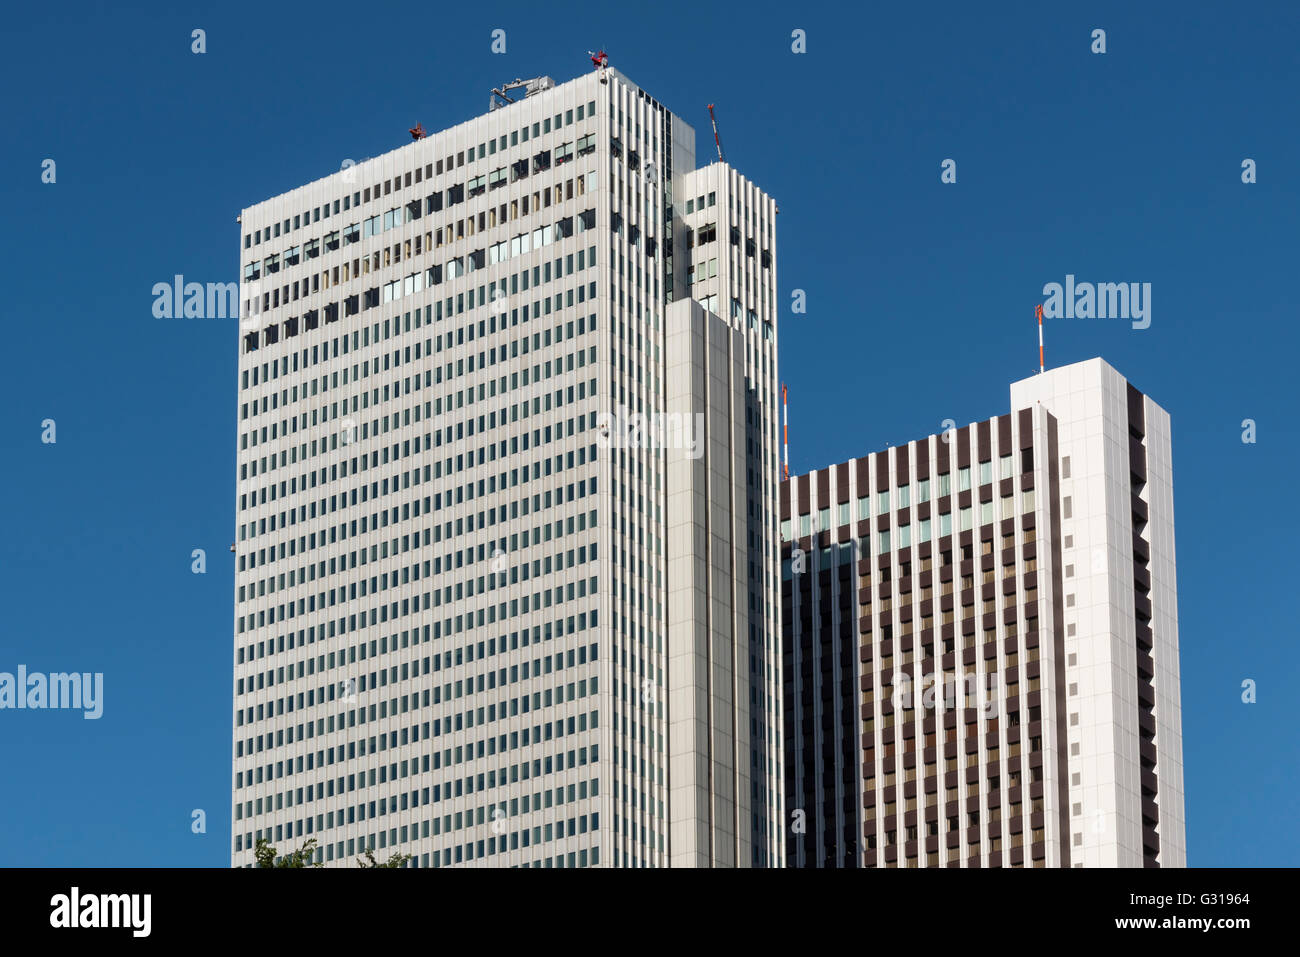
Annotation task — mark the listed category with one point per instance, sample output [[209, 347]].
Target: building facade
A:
[[980, 641], [506, 552]]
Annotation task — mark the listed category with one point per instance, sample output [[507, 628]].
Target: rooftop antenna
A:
[[417, 132], [716, 139], [599, 61], [1039, 311], [785, 430]]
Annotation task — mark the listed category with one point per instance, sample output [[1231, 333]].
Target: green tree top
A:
[[265, 856]]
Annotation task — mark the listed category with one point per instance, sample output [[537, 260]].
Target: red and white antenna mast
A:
[[1039, 311], [785, 427], [716, 139]]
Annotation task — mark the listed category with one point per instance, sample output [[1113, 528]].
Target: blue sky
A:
[[1117, 167]]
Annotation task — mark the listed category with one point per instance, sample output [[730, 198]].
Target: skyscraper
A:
[[506, 519], [981, 641]]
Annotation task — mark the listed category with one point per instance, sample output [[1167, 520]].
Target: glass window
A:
[[1028, 500], [823, 520], [945, 524], [1006, 466], [805, 525], [904, 496], [925, 530], [923, 491], [904, 536], [986, 511], [945, 485], [785, 530], [967, 515], [882, 502], [883, 539], [864, 506], [844, 513], [986, 473], [963, 478]]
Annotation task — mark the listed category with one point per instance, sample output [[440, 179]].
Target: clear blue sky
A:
[[1123, 166]]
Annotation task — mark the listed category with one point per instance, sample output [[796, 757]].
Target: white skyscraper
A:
[[981, 639], [1121, 616], [505, 545]]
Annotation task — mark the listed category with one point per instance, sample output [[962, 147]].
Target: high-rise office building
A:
[[981, 641], [506, 556]]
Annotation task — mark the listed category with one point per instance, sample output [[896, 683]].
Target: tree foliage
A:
[[265, 856], [368, 860]]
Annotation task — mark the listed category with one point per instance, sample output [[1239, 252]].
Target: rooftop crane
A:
[[500, 97]]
